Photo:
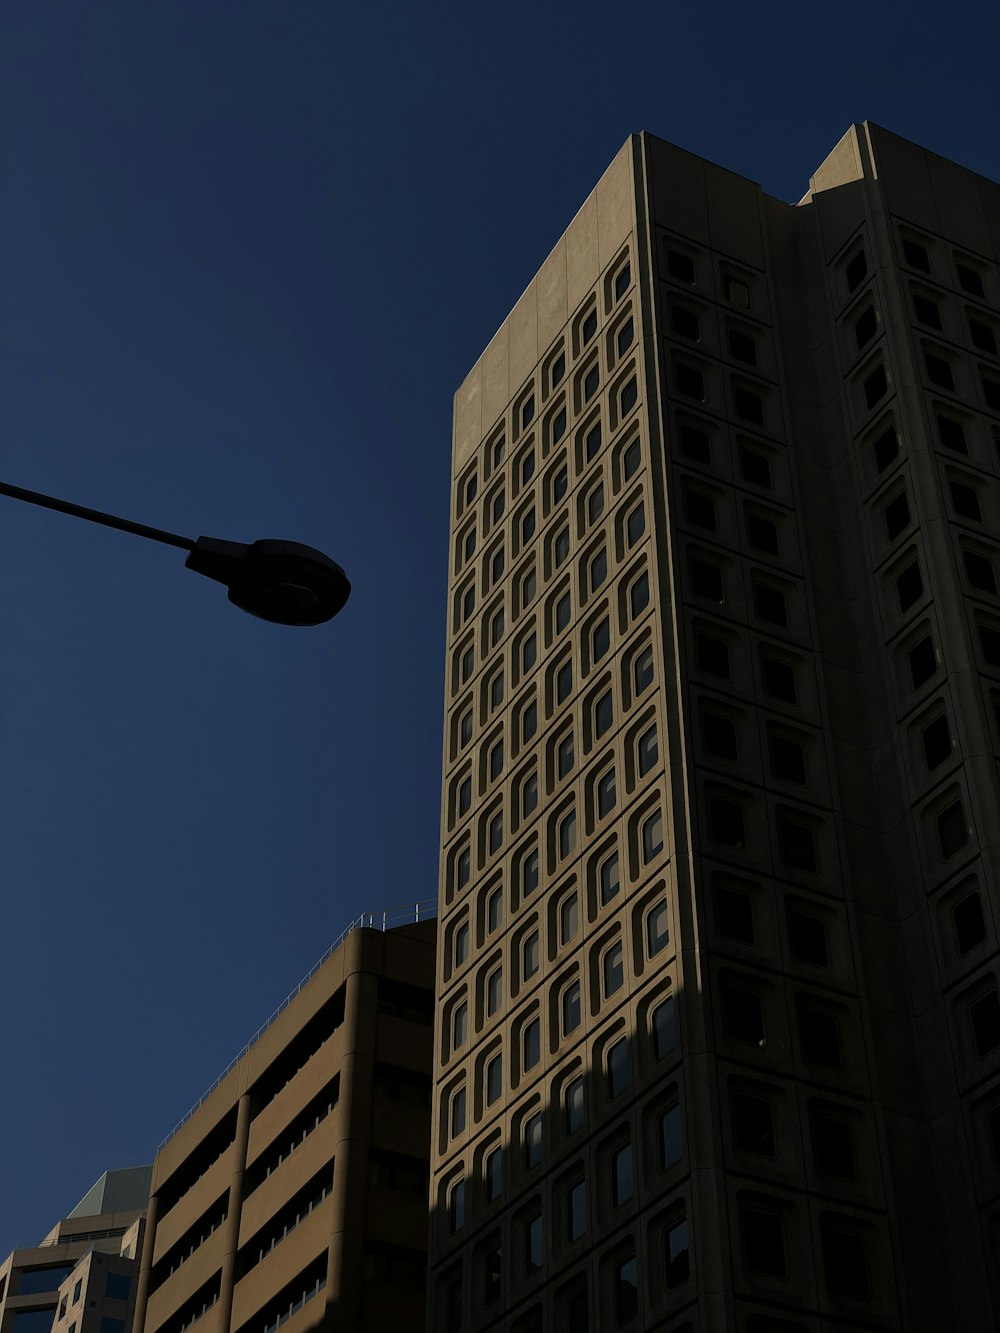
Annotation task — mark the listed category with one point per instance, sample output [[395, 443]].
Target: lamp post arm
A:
[[95, 516]]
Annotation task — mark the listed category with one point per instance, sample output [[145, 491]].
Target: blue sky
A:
[[247, 253]]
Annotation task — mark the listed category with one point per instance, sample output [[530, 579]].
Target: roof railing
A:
[[389, 919]]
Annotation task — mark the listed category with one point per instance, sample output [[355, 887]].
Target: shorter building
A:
[[296, 1191], [82, 1277]]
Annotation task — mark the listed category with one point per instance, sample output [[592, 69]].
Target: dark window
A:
[[818, 1037], [607, 794], [927, 311], [684, 322], [953, 832], [589, 326], [690, 381], [753, 1124], [567, 841], [628, 396], [626, 334], [923, 662], [748, 405], [533, 1141], [985, 1016], [989, 640], [909, 586], [527, 532], [595, 504], [559, 425], [983, 337], [493, 1276], [458, 1112], [676, 1255], [453, 1304], [680, 267], [763, 1241], [807, 938], [617, 1068], [763, 534], [652, 837], [574, 1105], [788, 760], [769, 603], [856, 271], [845, 1264], [496, 760], [532, 1044], [496, 832], [670, 1137], [464, 796], [610, 876], [939, 371], [530, 873], [965, 501], [600, 639], [970, 928], [563, 612], [577, 1311], [755, 468], [742, 1015], [657, 929], [528, 410], [529, 652], [604, 714], [560, 548], [533, 1251], [897, 516], [737, 293], [107, 1325], [979, 571], [564, 756], [631, 460], [622, 1177], [643, 670], [734, 915], [648, 751], [493, 1174], [742, 347], [951, 433], [712, 655], [635, 525], [865, 326], [719, 736], [592, 442], [591, 382], [707, 581], [885, 448], [570, 1008], [456, 1207], [694, 443], [833, 1151], [796, 844], [937, 742], [558, 369], [663, 1022], [623, 280], [875, 386], [779, 679], [576, 1210], [625, 1290], [564, 682], [969, 280], [598, 570], [528, 466], [494, 1080], [916, 256], [35, 1280]]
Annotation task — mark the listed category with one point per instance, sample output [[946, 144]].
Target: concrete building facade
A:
[[295, 1193], [718, 1032], [82, 1277]]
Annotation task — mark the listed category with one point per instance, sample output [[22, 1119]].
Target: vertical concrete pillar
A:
[[146, 1263], [228, 1281]]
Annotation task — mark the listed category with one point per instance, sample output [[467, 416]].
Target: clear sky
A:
[[247, 253]]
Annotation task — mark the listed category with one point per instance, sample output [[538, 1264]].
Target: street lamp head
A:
[[284, 582]]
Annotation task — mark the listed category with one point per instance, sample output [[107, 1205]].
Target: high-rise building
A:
[[295, 1192], [81, 1278], [718, 1040]]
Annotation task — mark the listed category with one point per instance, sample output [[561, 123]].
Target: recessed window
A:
[[684, 322], [936, 740], [642, 672], [979, 571], [748, 405], [922, 660], [607, 795], [712, 655], [464, 865], [631, 460], [529, 795], [669, 1137], [845, 1265], [700, 509], [622, 1175], [769, 603], [763, 1242], [592, 442], [458, 1112], [875, 386], [528, 531], [657, 929], [652, 837], [742, 347], [600, 639], [927, 311], [737, 293], [496, 628], [865, 326], [807, 938], [529, 652], [788, 760], [951, 433], [570, 1008], [638, 596], [533, 1141], [916, 256], [897, 516], [494, 911], [464, 795], [832, 1149], [564, 756], [528, 411], [734, 914], [527, 467], [676, 1255], [499, 504], [529, 873], [779, 679], [567, 835], [557, 370], [623, 280], [690, 381], [753, 1124], [468, 602], [569, 918], [755, 468], [456, 1207], [970, 927], [560, 547], [558, 425], [598, 570], [985, 1016], [726, 823], [563, 612], [718, 735], [909, 586], [573, 1105], [663, 1028], [531, 1044], [742, 1015], [885, 448], [604, 714], [694, 443], [616, 1068], [647, 751], [496, 760], [625, 1289], [462, 944], [680, 267], [796, 844], [856, 271], [564, 682], [818, 1037], [628, 396], [589, 326], [494, 1080], [626, 336], [965, 501], [560, 484], [469, 547], [591, 382], [613, 969], [459, 1025], [576, 1210], [493, 1174], [533, 1254], [595, 503], [969, 280], [530, 955], [609, 876], [939, 371], [953, 831], [989, 642], [762, 534], [494, 991]]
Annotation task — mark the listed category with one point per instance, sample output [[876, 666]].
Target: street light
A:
[[284, 582]]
